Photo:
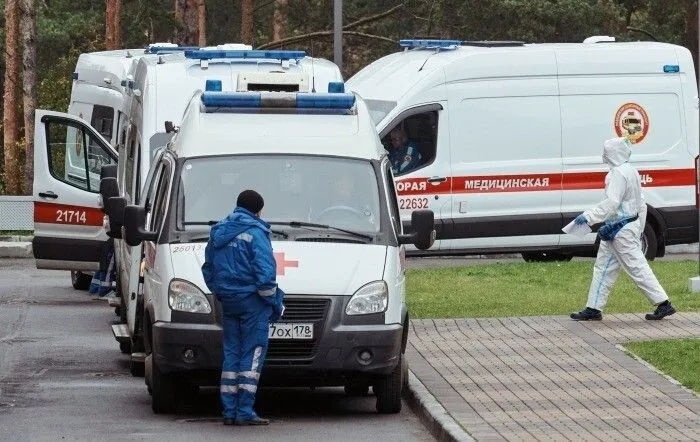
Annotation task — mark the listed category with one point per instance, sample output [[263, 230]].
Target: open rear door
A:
[[69, 231]]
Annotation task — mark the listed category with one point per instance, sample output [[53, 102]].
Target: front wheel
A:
[[388, 388], [80, 280], [355, 388], [650, 243]]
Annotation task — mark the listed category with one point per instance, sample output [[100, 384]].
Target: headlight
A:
[[186, 297], [370, 298]]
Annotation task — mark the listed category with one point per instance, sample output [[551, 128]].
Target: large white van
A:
[[158, 90], [336, 232], [511, 137]]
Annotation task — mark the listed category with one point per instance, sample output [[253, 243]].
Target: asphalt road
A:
[[62, 377]]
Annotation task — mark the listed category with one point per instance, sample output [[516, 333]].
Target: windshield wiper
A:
[[211, 223], [297, 224]]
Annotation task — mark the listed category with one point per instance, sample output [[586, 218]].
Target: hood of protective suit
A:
[[616, 151], [233, 225]]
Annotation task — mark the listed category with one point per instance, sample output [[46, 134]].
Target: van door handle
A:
[[48, 194], [437, 179]]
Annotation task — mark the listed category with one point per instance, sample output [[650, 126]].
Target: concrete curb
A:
[[15, 249], [432, 414]]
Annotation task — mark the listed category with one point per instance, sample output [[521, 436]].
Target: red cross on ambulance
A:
[[282, 264]]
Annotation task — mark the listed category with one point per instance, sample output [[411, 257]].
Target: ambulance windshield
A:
[[337, 192]]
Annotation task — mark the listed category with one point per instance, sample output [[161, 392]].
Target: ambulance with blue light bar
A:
[[161, 89], [98, 95], [510, 137], [336, 234]]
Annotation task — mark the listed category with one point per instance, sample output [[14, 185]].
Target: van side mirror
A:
[[115, 211], [108, 189], [423, 227], [108, 171], [134, 221]]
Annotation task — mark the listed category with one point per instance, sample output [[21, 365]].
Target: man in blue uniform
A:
[[404, 155], [240, 270]]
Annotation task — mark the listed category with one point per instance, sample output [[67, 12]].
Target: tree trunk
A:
[[279, 20], [247, 21], [10, 129], [186, 13], [110, 13], [28, 32], [117, 24], [202, 23]]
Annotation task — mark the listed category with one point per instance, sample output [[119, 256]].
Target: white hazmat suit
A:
[[623, 200]]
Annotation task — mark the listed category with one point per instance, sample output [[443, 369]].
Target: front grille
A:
[[304, 310], [299, 352]]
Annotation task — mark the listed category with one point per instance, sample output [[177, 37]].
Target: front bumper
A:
[[330, 358]]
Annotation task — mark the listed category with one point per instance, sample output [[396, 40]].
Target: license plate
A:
[[289, 330]]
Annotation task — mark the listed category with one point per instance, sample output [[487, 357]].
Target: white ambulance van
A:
[[159, 90], [510, 137], [336, 233], [98, 95]]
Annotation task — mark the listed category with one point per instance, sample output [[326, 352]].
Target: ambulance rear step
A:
[[121, 332]]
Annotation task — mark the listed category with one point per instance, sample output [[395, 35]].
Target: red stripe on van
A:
[[537, 182], [52, 213]]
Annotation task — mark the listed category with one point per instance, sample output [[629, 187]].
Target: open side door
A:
[[69, 232]]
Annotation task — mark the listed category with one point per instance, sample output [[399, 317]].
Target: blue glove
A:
[[580, 220], [277, 305]]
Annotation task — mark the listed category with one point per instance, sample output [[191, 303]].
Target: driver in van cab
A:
[[404, 154], [342, 203]]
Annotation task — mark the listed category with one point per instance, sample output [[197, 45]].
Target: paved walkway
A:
[[551, 378]]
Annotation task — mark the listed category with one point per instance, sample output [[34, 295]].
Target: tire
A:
[[545, 256], [388, 389], [163, 387], [650, 243], [355, 388], [125, 347], [137, 369], [80, 280]]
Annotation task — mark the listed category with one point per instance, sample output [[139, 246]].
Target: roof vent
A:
[[600, 39]]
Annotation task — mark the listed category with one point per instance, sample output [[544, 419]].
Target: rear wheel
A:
[[388, 388], [80, 280], [650, 243]]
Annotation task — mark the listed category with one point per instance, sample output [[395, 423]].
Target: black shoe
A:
[[662, 310], [587, 314], [229, 421], [255, 421]]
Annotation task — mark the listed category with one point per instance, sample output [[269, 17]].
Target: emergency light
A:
[[250, 100], [213, 86], [430, 44], [200, 54], [672, 69]]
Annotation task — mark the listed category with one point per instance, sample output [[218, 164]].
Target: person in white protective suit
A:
[[623, 213]]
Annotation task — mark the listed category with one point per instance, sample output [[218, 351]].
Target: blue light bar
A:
[[274, 55], [213, 86], [168, 49], [278, 100], [336, 87], [325, 101], [672, 69], [430, 44]]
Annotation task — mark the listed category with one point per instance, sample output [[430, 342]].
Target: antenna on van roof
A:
[[313, 76]]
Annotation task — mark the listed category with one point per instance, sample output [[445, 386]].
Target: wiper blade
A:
[[297, 224], [212, 223]]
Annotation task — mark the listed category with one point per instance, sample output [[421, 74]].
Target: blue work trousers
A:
[[246, 323]]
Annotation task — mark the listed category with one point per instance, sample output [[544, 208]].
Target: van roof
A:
[[95, 67], [403, 74], [351, 135], [173, 78]]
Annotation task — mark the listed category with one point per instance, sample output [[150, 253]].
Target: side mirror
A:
[[134, 221], [108, 171], [108, 189], [115, 211], [423, 227]]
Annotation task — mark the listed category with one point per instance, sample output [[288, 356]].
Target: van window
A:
[[103, 120], [412, 142], [393, 205], [132, 155], [75, 156], [160, 202]]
